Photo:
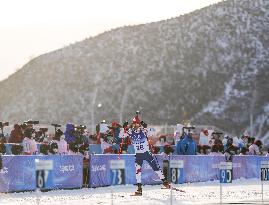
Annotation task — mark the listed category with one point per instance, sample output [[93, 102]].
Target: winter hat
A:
[[136, 120], [205, 131], [258, 143]]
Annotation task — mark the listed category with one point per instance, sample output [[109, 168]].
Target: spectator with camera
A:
[[16, 135]]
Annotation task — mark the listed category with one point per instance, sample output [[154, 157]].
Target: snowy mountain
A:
[[211, 66]]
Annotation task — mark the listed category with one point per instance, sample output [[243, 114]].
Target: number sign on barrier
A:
[[176, 171], [117, 172], [44, 178], [226, 172], [265, 170]]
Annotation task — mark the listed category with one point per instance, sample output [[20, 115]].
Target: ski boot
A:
[[166, 184], [139, 190]]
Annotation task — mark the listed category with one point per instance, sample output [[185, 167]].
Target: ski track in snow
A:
[[240, 191]]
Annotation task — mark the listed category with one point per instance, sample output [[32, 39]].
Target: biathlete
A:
[[138, 135]]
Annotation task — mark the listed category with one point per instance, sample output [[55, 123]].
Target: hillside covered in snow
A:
[[210, 66]]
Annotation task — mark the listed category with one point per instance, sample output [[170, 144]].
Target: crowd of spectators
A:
[[215, 143], [76, 139]]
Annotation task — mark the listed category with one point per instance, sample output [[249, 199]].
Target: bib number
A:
[[140, 147]]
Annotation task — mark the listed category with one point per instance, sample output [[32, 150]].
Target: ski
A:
[[135, 194], [175, 189]]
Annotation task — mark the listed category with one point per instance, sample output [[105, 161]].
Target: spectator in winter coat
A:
[[236, 141], [187, 146], [16, 135], [101, 130], [85, 137], [106, 147], [69, 133], [217, 138], [243, 141], [29, 144], [115, 130], [215, 151], [59, 138], [230, 150], [124, 140], [104, 127], [204, 141], [211, 137], [255, 148], [62, 145]]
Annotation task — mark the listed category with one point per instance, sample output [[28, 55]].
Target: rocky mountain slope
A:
[[210, 66]]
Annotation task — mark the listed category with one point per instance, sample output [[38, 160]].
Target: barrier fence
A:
[[18, 173]]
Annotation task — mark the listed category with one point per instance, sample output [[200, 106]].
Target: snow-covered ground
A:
[[239, 192]]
